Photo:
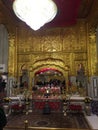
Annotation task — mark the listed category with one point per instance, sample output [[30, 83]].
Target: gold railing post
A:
[[26, 124]]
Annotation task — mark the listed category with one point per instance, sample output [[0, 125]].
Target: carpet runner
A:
[[52, 120]]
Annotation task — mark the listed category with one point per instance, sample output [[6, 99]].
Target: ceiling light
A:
[[35, 13]]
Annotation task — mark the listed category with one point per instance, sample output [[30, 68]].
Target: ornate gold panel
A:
[[58, 43], [92, 47], [60, 48], [12, 66], [92, 52]]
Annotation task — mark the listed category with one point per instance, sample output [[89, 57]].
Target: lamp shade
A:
[[35, 13]]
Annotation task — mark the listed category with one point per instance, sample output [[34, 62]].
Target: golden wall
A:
[[60, 48]]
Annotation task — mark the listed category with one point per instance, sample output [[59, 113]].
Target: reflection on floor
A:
[[52, 120], [93, 121]]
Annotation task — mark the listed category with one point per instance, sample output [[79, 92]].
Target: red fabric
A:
[[39, 105], [18, 107], [53, 105], [67, 13], [75, 107]]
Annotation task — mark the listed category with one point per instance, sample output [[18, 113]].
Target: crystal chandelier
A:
[[35, 13]]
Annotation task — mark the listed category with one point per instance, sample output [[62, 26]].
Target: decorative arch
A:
[[46, 70], [56, 64]]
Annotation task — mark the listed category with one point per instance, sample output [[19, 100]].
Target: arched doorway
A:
[[47, 69], [49, 76]]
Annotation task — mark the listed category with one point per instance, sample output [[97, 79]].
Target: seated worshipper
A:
[[3, 119]]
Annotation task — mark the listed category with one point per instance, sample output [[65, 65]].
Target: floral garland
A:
[[6, 100], [88, 100]]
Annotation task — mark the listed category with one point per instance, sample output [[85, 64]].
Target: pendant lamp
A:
[[35, 13]]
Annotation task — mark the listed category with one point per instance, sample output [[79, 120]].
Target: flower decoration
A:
[[6, 99], [87, 99]]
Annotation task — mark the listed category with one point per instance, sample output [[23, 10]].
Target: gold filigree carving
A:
[[11, 54], [92, 51], [58, 48]]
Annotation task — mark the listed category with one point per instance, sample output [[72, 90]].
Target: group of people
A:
[[51, 83]]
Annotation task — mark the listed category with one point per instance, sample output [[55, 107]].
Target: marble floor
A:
[[93, 121]]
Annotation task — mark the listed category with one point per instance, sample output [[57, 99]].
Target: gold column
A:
[[92, 55], [12, 65]]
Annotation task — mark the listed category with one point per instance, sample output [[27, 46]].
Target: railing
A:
[[26, 127]]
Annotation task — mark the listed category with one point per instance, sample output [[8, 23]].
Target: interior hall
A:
[[49, 64]]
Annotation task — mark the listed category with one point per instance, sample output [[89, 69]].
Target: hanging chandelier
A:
[[35, 13]]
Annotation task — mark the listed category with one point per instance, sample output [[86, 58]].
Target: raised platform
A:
[[54, 102]]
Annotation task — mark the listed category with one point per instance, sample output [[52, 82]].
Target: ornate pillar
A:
[[12, 66], [92, 52], [97, 49], [32, 80]]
